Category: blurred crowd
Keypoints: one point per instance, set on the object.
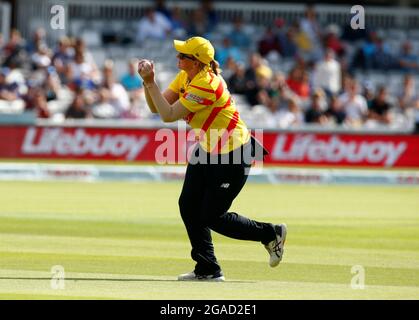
(320, 87)
(33, 75)
(321, 94)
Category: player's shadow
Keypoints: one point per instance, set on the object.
(113, 279)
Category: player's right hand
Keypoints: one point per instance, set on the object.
(141, 64)
(146, 70)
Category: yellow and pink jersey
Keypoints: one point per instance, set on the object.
(213, 116)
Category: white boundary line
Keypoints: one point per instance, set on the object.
(93, 173)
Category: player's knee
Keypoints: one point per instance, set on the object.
(210, 218)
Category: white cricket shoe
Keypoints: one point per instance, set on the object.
(191, 276)
(275, 248)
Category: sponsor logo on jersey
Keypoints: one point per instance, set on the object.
(194, 98)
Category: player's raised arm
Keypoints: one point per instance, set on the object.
(164, 104)
(150, 102)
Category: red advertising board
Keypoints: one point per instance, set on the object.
(331, 149)
(149, 145)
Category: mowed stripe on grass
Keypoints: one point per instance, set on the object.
(126, 240)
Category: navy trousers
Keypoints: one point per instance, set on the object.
(207, 194)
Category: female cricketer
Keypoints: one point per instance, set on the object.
(199, 95)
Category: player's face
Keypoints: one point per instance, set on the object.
(185, 62)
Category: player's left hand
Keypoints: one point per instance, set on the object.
(146, 70)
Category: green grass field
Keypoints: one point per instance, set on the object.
(127, 241)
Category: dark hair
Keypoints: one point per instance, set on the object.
(215, 66)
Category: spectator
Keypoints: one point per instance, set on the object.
(268, 43)
(347, 81)
(29, 96)
(264, 93)
(10, 101)
(280, 88)
(80, 47)
(41, 105)
(62, 57)
(368, 92)
(250, 79)
(335, 113)
(263, 77)
(77, 109)
(354, 104)
(36, 101)
(332, 41)
(291, 115)
(161, 7)
(207, 7)
(382, 58)
(179, 25)
(227, 51)
(41, 58)
(199, 25)
(315, 113)
(14, 51)
(286, 39)
(267, 110)
(131, 80)
(257, 68)
(238, 37)
(367, 52)
(298, 82)
(408, 98)
(301, 40)
(154, 25)
(8, 91)
(132, 83)
(263, 70)
(80, 72)
(271, 103)
(311, 28)
(112, 93)
(17, 76)
(327, 74)
(38, 40)
(279, 26)
(408, 61)
(238, 81)
(230, 68)
(380, 108)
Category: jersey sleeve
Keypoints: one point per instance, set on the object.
(175, 84)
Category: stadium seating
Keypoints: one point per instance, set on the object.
(116, 41)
